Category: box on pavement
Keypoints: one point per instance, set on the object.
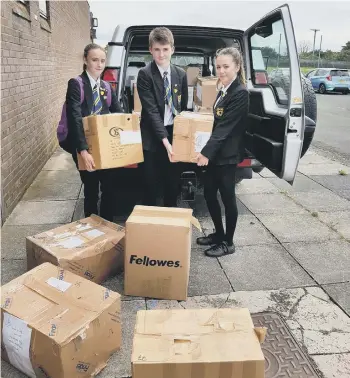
(191, 133)
(158, 251)
(92, 248)
(198, 343)
(57, 324)
(114, 140)
(206, 91)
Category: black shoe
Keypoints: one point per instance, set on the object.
(209, 240)
(220, 249)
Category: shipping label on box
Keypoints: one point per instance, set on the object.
(158, 249)
(92, 248)
(206, 91)
(114, 140)
(197, 343)
(57, 324)
(190, 97)
(191, 133)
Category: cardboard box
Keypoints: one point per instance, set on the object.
(198, 343)
(206, 91)
(203, 110)
(57, 324)
(114, 140)
(192, 74)
(158, 250)
(92, 248)
(191, 133)
(137, 101)
(190, 97)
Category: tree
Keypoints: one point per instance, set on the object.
(304, 47)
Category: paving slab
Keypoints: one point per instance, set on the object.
(119, 364)
(344, 194)
(266, 173)
(41, 212)
(255, 186)
(297, 227)
(13, 239)
(314, 159)
(54, 185)
(159, 304)
(249, 231)
(326, 262)
(200, 208)
(60, 161)
(79, 210)
(334, 183)
(337, 220)
(340, 293)
(301, 184)
(206, 275)
(322, 169)
(334, 365)
(270, 203)
(11, 269)
(321, 201)
(264, 267)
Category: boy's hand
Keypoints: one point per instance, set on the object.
(169, 149)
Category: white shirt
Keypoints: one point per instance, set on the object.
(93, 82)
(223, 93)
(168, 114)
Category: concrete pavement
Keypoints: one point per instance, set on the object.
(292, 258)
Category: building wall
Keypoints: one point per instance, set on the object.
(38, 56)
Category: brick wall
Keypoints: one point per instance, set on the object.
(38, 57)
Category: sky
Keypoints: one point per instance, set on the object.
(331, 17)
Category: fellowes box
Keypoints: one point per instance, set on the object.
(57, 324)
(158, 251)
(114, 140)
(197, 343)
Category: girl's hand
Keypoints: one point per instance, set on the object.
(88, 160)
(202, 160)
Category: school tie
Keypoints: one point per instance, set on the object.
(167, 94)
(97, 106)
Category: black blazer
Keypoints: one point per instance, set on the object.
(76, 111)
(150, 87)
(226, 145)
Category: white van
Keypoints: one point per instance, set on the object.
(281, 122)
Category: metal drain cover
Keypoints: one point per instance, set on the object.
(283, 356)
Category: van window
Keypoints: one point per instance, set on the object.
(270, 49)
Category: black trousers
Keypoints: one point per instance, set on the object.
(221, 178)
(160, 176)
(94, 181)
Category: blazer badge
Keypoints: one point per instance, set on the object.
(219, 112)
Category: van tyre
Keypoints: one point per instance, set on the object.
(310, 109)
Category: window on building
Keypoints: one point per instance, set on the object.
(44, 9)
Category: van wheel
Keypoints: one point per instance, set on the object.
(322, 89)
(345, 92)
(238, 180)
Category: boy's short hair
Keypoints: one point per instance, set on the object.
(161, 35)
